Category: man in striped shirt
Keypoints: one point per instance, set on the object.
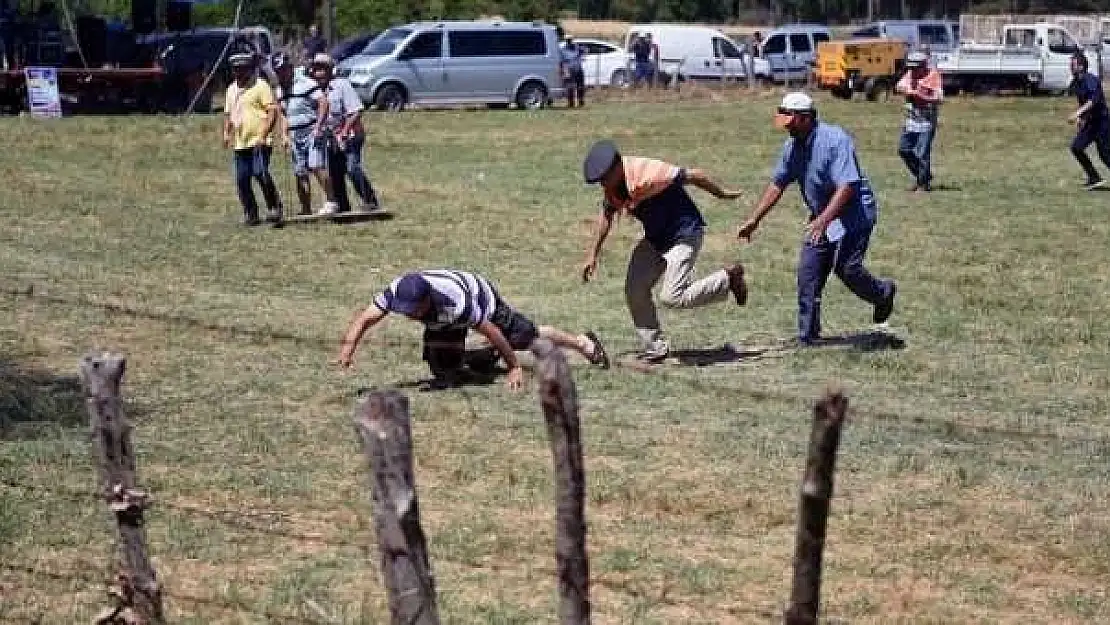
(450, 303)
(653, 192)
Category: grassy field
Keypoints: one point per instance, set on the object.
(974, 473)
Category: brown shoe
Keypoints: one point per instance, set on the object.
(736, 284)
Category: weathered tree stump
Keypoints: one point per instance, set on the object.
(137, 592)
(559, 399)
(383, 424)
(816, 493)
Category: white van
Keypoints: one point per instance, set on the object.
(936, 35)
(693, 52)
(791, 51)
(451, 63)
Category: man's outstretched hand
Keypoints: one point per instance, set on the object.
(747, 229)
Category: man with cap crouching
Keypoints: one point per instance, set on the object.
(822, 159)
(924, 92)
(653, 192)
(248, 128)
(450, 303)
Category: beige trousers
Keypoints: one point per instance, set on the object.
(676, 268)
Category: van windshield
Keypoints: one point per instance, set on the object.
(386, 42)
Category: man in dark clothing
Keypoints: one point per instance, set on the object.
(643, 51)
(314, 43)
(1092, 119)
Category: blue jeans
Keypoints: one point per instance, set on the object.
(347, 163)
(916, 149)
(845, 258)
(255, 163)
(1097, 133)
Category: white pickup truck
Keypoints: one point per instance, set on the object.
(1032, 58)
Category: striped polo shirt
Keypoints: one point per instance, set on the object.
(460, 299)
(301, 102)
(657, 197)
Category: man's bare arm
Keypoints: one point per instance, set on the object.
(701, 180)
(771, 196)
(362, 322)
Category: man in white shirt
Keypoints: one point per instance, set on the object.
(347, 136)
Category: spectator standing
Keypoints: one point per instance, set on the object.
(304, 114)
(314, 44)
(574, 78)
(251, 113)
(924, 93)
(347, 136)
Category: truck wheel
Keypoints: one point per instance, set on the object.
(876, 89)
(619, 79)
(390, 97)
(843, 92)
(531, 96)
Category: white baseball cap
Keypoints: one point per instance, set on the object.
(792, 103)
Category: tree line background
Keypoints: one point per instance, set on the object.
(353, 16)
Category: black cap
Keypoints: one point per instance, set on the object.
(601, 157)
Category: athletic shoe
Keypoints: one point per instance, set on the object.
(884, 309)
(599, 357)
(656, 353)
(736, 284)
(330, 208)
(1091, 185)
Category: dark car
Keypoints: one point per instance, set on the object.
(352, 45)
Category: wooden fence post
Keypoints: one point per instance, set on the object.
(137, 592)
(559, 400)
(816, 491)
(383, 424)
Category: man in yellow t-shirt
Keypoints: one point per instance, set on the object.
(251, 112)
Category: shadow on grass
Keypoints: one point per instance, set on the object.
(871, 341)
(352, 217)
(34, 400)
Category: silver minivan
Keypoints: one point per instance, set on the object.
(791, 51)
(453, 63)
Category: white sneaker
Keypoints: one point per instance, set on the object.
(330, 208)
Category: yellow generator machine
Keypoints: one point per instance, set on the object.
(868, 66)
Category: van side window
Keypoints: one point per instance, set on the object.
(427, 45)
(933, 35)
(775, 45)
(1060, 42)
(471, 43)
(1020, 37)
(799, 42)
(722, 48)
(819, 37)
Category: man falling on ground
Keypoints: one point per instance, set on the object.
(924, 93)
(654, 192)
(304, 111)
(450, 303)
(822, 159)
(248, 125)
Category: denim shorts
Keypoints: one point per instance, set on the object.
(309, 152)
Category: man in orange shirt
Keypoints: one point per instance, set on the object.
(653, 192)
(924, 92)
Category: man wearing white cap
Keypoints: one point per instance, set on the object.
(822, 159)
(924, 92)
(347, 136)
